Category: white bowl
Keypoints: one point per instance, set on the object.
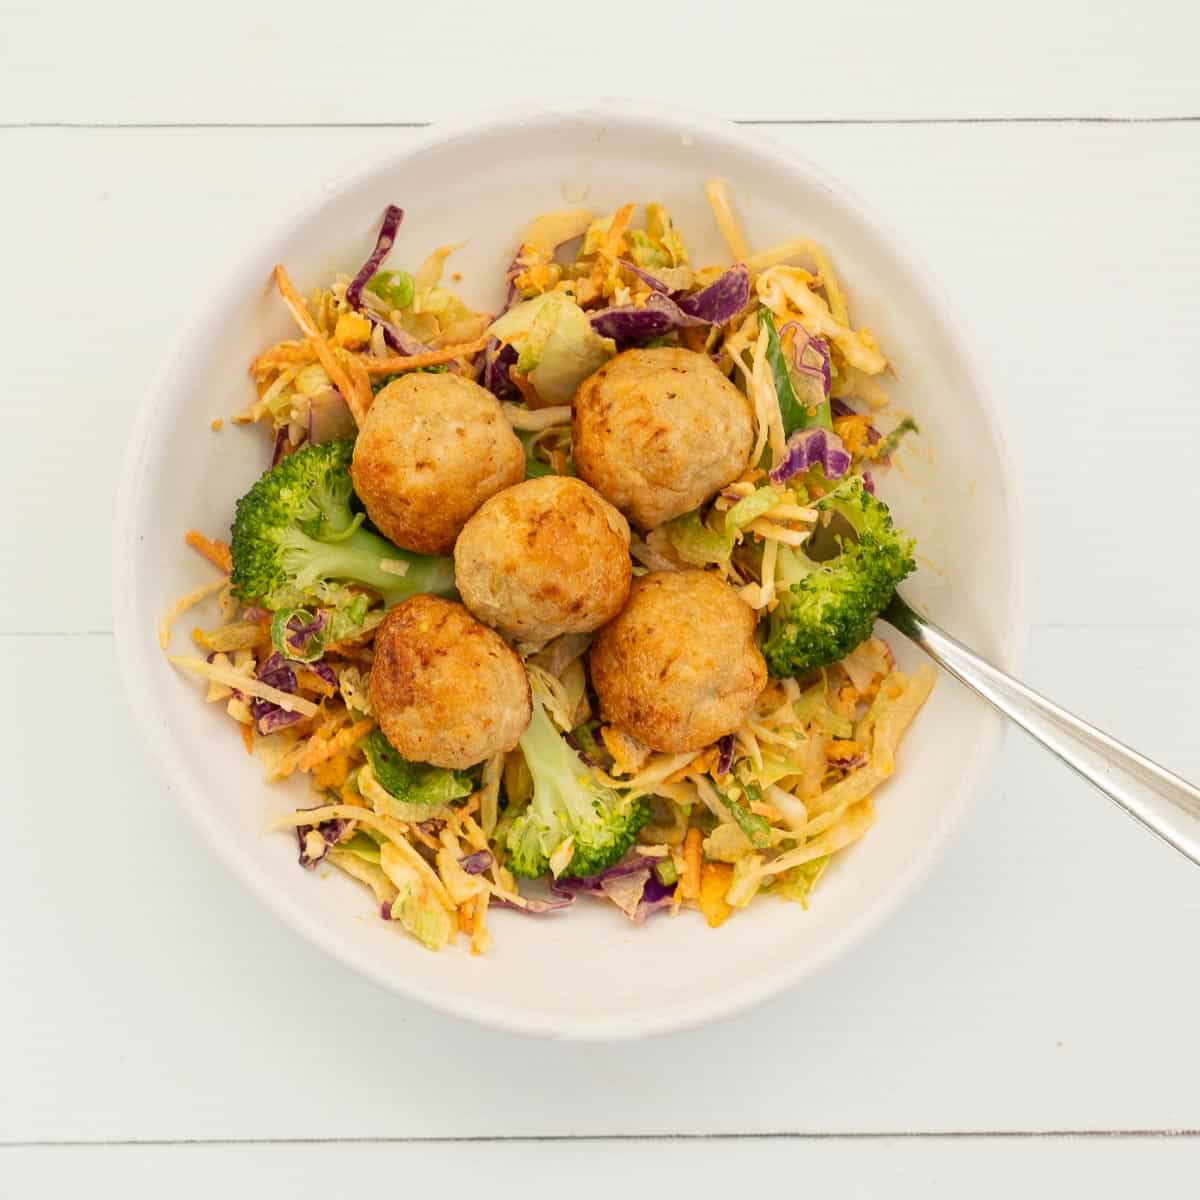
(483, 181)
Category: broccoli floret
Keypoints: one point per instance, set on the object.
(568, 802)
(828, 605)
(295, 536)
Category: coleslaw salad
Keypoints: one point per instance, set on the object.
(759, 813)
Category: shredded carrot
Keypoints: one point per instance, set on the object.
(396, 363)
(320, 347)
(361, 382)
(299, 354)
(614, 239)
(318, 750)
(466, 916)
(763, 809)
(216, 552)
(689, 880)
(613, 247)
(216, 424)
(714, 883)
(521, 382)
(313, 682)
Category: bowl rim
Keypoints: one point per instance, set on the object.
(134, 652)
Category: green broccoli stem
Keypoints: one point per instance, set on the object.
(555, 768)
(359, 559)
(792, 566)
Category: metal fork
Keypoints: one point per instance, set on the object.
(1163, 802)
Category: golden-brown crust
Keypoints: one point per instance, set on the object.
(545, 557)
(446, 689)
(657, 432)
(678, 668)
(432, 449)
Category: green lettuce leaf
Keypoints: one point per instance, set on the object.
(557, 348)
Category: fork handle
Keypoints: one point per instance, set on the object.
(1163, 802)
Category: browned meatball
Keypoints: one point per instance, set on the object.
(548, 556)
(659, 431)
(433, 448)
(678, 668)
(446, 689)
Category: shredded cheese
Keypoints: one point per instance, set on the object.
(319, 750)
(778, 255)
(182, 605)
(857, 820)
(719, 200)
(769, 531)
(788, 288)
(766, 405)
(244, 684)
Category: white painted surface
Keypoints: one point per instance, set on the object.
(1045, 978)
(1104, 1168)
(302, 61)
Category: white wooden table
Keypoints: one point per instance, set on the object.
(1029, 1018)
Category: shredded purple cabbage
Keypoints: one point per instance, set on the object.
(661, 314)
(331, 833)
(276, 672)
(809, 447)
(725, 754)
(627, 323)
(281, 442)
(270, 717)
(569, 885)
(655, 285)
(300, 636)
(392, 216)
(804, 341)
(868, 482)
(324, 670)
(477, 863)
(722, 300)
(432, 827)
(496, 361)
(398, 339)
(655, 894)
